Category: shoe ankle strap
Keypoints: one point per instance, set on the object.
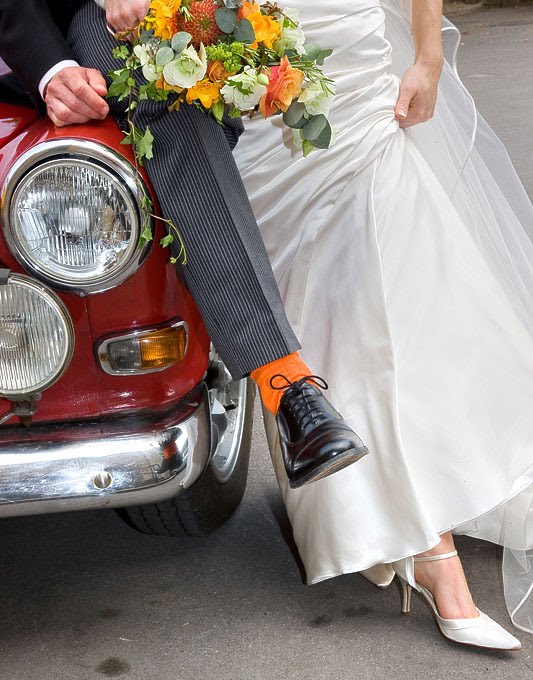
(434, 558)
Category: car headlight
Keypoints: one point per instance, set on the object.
(71, 215)
(36, 337)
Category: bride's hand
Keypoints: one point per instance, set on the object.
(124, 14)
(418, 93)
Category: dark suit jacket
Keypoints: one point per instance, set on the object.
(32, 38)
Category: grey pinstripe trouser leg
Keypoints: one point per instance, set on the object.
(199, 188)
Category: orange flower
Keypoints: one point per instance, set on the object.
(207, 92)
(267, 29)
(161, 84)
(163, 17)
(216, 72)
(247, 8)
(284, 85)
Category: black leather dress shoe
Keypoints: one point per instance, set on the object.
(315, 440)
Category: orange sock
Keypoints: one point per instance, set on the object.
(290, 366)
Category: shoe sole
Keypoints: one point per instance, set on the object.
(329, 467)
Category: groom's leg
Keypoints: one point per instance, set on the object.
(228, 271)
(199, 188)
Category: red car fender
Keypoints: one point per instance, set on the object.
(153, 296)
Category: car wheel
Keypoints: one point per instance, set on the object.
(215, 496)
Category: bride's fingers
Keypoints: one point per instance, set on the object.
(405, 99)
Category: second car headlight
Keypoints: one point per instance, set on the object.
(72, 215)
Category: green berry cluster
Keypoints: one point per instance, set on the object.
(230, 54)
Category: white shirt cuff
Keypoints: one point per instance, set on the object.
(53, 71)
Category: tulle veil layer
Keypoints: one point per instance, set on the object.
(475, 169)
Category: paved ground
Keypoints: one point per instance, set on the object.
(83, 597)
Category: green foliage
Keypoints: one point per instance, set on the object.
(121, 84)
(166, 240)
(307, 147)
(244, 32)
(314, 53)
(226, 19)
(180, 41)
(217, 109)
(164, 55)
(230, 54)
(122, 52)
(295, 116)
(150, 91)
(143, 145)
(317, 131)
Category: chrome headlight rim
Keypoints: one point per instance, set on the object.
(92, 154)
(59, 307)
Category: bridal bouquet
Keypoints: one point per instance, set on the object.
(227, 56)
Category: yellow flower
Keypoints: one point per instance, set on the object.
(207, 92)
(162, 18)
(267, 29)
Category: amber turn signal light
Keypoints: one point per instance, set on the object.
(144, 351)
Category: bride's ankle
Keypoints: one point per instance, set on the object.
(446, 581)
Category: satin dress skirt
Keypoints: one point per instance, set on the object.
(397, 308)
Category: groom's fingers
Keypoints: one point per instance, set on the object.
(74, 95)
(122, 15)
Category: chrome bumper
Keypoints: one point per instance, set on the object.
(126, 461)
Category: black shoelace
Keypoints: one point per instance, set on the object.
(316, 379)
(306, 410)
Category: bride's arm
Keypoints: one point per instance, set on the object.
(418, 89)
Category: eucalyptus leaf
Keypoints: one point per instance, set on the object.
(314, 127)
(312, 50)
(324, 138)
(324, 54)
(233, 4)
(244, 32)
(226, 19)
(164, 56)
(294, 116)
(180, 41)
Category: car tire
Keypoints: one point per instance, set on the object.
(217, 494)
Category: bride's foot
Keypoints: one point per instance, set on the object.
(438, 577)
(446, 581)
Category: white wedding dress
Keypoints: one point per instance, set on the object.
(406, 271)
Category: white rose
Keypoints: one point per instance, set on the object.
(187, 69)
(292, 37)
(315, 100)
(247, 81)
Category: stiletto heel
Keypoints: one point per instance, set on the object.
(406, 597)
(480, 631)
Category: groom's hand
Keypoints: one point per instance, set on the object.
(76, 95)
(124, 14)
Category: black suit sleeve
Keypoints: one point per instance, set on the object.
(32, 39)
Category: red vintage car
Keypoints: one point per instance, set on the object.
(110, 393)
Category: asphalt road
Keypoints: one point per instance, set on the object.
(84, 597)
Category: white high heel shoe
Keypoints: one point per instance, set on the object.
(480, 631)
